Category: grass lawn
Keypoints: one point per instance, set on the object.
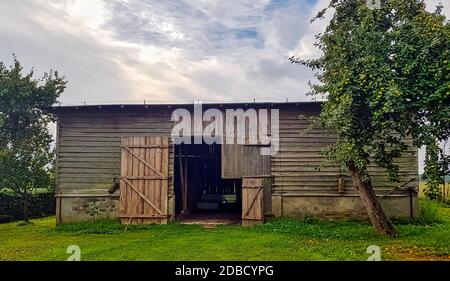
(279, 239)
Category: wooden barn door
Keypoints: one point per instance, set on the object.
(253, 200)
(144, 180)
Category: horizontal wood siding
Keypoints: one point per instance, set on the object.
(89, 152)
(296, 168)
(89, 146)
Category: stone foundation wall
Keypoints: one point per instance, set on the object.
(71, 208)
(341, 207)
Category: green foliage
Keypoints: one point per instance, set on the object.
(25, 155)
(41, 204)
(429, 212)
(385, 74)
(423, 177)
(94, 209)
(436, 164)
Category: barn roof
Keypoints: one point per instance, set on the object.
(71, 107)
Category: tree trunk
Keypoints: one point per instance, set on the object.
(26, 218)
(376, 214)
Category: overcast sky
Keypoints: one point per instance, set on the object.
(164, 50)
(130, 51)
(125, 50)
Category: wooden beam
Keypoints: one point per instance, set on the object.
(141, 216)
(341, 186)
(141, 195)
(144, 162)
(144, 146)
(253, 202)
(145, 178)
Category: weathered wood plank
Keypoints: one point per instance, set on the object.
(252, 200)
(144, 180)
(89, 150)
(244, 160)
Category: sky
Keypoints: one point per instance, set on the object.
(117, 51)
(123, 51)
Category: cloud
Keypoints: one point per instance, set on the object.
(130, 50)
(118, 51)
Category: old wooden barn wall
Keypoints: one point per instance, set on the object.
(301, 186)
(88, 158)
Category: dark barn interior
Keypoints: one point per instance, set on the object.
(201, 194)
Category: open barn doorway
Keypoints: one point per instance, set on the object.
(201, 194)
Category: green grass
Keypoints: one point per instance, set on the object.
(279, 239)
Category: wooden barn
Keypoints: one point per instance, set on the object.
(121, 161)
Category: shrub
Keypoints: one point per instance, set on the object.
(428, 212)
(41, 204)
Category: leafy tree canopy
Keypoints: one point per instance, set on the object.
(385, 74)
(25, 154)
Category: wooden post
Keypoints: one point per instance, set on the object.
(341, 185)
(185, 186)
(182, 181)
(58, 209)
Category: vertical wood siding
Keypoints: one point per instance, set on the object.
(244, 160)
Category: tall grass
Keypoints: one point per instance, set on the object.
(428, 212)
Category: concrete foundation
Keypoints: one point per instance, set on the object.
(72, 208)
(76, 208)
(341, 207)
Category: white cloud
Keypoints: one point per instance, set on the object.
(431, 6)
(129, 50)
(132, 50)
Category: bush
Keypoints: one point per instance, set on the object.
(428, 212)
(41, 204)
